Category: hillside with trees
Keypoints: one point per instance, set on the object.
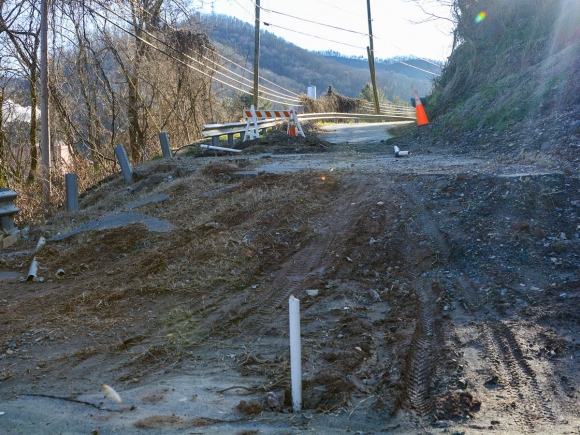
(296, 68)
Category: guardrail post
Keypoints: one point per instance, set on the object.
(263, 132)
(124, 163)
(215, 140)
(72, 192)
(165, 148)
(231, 140)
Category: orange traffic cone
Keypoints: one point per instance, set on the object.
(421, 115)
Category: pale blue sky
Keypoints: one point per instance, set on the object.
(396, 33)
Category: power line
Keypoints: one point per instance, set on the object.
(341, 9)
(303, 33)
(251, 14)
(176, 59)
(335, 27)
(293, 96)
(420, 69)
(314, 22)
(428, 61)
(313, 36)
(273, 93)
(241, 67)
(291, 93)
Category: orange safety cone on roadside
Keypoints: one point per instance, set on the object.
(421, 115)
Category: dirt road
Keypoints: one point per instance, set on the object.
(357, 133)
(439, 294)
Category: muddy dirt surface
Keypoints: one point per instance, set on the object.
(439, 294)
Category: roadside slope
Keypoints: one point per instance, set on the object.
(435, 291)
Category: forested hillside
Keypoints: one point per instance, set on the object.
(296, 68)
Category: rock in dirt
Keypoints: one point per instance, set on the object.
(374, 295)
(520, 226)
(253, 407)
(275, 400)
(454, 404)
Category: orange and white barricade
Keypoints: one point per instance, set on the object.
(252, 115)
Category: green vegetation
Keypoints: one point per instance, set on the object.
(518, 62)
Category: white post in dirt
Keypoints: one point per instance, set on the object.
(295, 353)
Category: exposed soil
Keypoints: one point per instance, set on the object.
(439, 294)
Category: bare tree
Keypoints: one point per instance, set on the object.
(20, 24)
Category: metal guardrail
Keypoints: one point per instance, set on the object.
(359, 116)
(387, 109)
(210, 130)
(7, 210)
(397, 114)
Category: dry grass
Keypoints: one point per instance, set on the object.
(150, 297)
(330, 102)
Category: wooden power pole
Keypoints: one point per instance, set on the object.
(371, 53)
(257, 55)
(44, 116)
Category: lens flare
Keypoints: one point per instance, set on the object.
(480, 17)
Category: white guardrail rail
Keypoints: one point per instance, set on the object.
(397, 113)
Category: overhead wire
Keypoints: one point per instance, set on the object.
(314, 22)
(420, 69)
(337, 28)
(129, 32)
(292, 93)
(292, 96)
(341, 9)
(303, 33)
(248, 12)
(273, 93)
(313, 36)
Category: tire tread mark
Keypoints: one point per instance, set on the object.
(518, 377)
(420, 362)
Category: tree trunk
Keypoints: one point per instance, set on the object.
(33, 123)
(3, 180)
(136, 135)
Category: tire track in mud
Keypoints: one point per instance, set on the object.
(519, 379)
(420, 363)
(515, 374)
(427, 339)
(291, 279)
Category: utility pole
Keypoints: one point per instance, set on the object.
(44, 116)
(371, 52)
(257, 55)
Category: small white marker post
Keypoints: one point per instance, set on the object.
(295, 353)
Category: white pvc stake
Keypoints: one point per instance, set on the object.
(295, 353)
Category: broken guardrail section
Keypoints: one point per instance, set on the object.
(9, 233)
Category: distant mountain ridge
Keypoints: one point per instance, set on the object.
(407, 66)
(296, 68)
